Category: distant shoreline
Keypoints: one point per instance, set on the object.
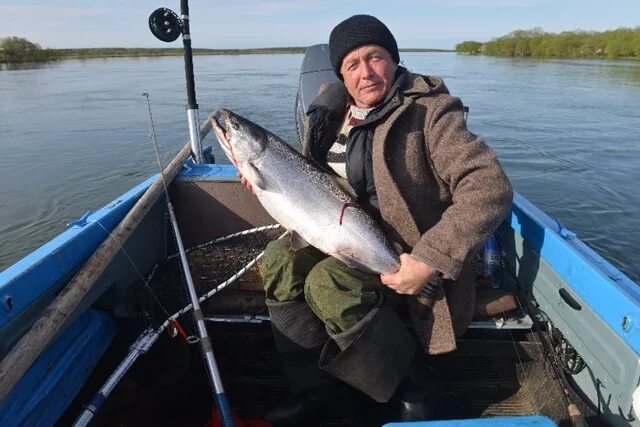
(86, 53)
(109, 52)
(98, 53)
(36, 54)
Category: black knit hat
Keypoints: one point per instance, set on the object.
(359, 30)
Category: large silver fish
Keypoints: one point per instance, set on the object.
(302, 198)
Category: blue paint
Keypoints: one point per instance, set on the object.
(25, 281)
(208, 171)
(207, 156)
(565, 232)
(82, 221)
(610, 293)
(524, 421)
(53, 381)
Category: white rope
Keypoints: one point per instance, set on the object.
(230, 236)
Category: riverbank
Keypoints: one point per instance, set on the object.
(109, 52)
(133, 52)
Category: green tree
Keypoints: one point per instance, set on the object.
(469, 46)
(17, 49)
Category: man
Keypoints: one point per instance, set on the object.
(400, 141)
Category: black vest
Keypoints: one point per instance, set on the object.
(326, 114)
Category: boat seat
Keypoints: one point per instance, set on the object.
(246, 298)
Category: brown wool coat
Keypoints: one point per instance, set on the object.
(442, 192)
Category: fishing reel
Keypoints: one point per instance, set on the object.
(165, 24)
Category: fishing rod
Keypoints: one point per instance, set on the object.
(203, 336)
(167, 26)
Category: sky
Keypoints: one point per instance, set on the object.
(271, 23)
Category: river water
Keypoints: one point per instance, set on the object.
(74, 134)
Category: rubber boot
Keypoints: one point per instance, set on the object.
(373, 356)
(416, 395)
(299, 336)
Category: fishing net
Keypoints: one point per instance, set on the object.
(211, 265)
(241, 337)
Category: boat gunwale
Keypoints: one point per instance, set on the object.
(26, 280)
(612, 295)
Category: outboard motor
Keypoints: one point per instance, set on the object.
(316, 69)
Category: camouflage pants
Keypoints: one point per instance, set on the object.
(338, 295)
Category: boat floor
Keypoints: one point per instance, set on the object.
(493, 373)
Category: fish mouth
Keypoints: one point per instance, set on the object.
(220, 129)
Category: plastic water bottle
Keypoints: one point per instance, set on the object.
(491, 263)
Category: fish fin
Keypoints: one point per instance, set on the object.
(253, 175)
(351, 264)
(349, 260)
(297, 242)
(356, 265)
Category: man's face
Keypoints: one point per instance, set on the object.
(368, 73)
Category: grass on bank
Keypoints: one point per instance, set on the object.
(114, 52)
(17, 50)
(132, 52)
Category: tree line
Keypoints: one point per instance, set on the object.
(619, 43)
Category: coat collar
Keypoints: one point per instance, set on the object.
(335, 98)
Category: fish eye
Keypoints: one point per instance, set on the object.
(235, 126)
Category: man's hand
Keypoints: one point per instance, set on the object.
(411, 276)
(245, 182)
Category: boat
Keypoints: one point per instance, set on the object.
(127, 353)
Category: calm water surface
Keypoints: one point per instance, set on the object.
(74, 134)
